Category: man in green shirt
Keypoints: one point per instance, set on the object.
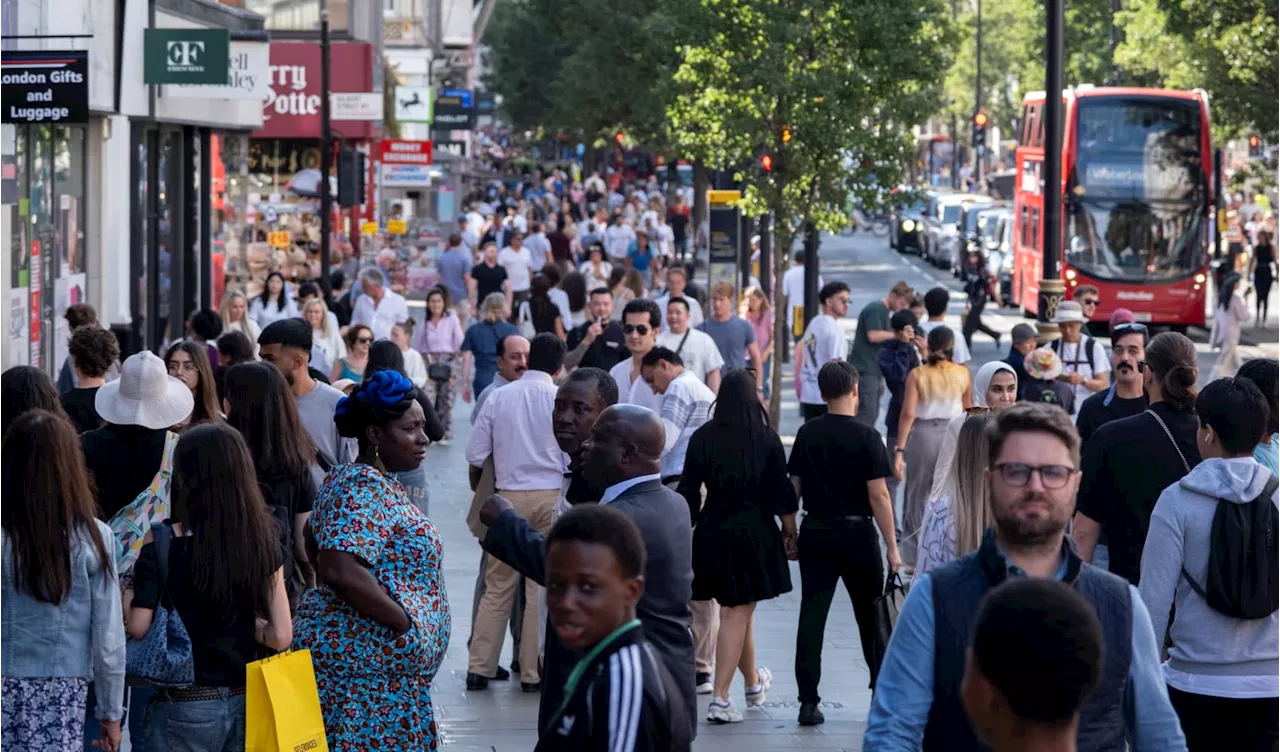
(873, 331)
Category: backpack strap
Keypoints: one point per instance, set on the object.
(1267, 491)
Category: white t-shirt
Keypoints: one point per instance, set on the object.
(959, 351)
(634, 392)
(617, 240)
(666, 240)
(700, 354)
(518, 265)
(793, 286)
(1076, 360)
(824, 341)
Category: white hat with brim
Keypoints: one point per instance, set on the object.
(1069, 312)
(144, 395)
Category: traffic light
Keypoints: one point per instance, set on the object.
(619, 137)
(1255, 146)
(766, 163)
(350, 178)
(786, 134)
(980, 120)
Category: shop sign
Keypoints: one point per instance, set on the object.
(455, 110)
(368, 228)
(45, 85)
(291, 107)
(279, 239)
(396, 227)
(405, 163)
(246, 76)
(34, 310)
(486, 103)
(413, 104)
(355, 106)
(186, 56)
(456, 148)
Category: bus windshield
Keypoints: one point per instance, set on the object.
(1136, 199)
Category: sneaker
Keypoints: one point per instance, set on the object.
(703, 682)
(810, 715)
(759, 693)
(720, 711)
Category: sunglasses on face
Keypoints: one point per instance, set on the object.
(364, 341)
(641, 329)
(1018, 474)
(1089, 302)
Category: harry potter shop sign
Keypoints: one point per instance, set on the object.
(186, 56)
(45, 86)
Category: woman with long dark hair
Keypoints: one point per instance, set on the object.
(1262, 271)
(440, 342)
(189, 363)
(24, 388)
(1228, 317)
(262, 408)
(385, 355)
(61, 602)
(378, 625)
(539, 310)
(574, 285)
(739, 554)
(225, 579)
(275, 302)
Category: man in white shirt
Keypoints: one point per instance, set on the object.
(823, 342)
(793, 287)
(640, 319)
(378, 308)
(618, 239)
(677, 280)
(1085, 365)
(518, 262)
(515, 427)
(697, 350)
(538, 246)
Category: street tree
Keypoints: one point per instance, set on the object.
(826, 89)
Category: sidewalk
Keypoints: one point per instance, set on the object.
(503, 719)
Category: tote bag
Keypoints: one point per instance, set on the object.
(885, 616)
(282, 705)
(149, 508)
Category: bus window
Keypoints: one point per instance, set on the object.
(1023, 127)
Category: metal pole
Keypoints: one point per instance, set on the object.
(1051, 286)
(955, 144)
(977, 100)
(811, 273)
(766, 256)
(326, 142)
(1217, 202)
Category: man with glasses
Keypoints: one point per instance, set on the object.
(823, 342)
(1087, 297)
(640, 321)
(1033, 477)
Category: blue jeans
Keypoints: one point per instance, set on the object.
(196, 726)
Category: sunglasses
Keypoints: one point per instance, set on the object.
(641, 329)
(1089, 301)
(364, 341)
(1124, 329)
(1018, 474)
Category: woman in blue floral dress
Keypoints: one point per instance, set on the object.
(378, 624)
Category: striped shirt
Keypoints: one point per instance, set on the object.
(686, 405)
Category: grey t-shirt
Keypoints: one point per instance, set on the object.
(315, 410)
(732, 337)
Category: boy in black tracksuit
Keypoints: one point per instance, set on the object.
(619, 697)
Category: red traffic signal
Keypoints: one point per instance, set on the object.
(619, 137)
(1254, 141)
(980, 119)
(766, 163)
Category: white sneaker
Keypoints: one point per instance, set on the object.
(720, 711)
(759, 693)
(702, 683)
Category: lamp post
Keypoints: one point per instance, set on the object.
(979, 149)
(1052, 289)
(326, 143)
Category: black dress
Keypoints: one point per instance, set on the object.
(1266, 256)
(738, 556)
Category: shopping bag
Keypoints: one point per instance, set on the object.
(149, 508)
(282, 706)
(886, 609)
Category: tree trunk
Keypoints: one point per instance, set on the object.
(784, 238)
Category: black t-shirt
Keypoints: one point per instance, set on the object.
(79, 406)
(1125, 467)
(835, 456)
(1095, 412)
(221, 643)
(608, 350)
(488, 279)
(123, 461)
(679, 222)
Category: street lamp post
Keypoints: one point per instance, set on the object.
(1052, 289)
(326, 142)
(979, 149)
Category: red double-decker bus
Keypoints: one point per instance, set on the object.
(1137, 170)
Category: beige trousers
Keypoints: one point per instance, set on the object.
(706, 627)
(500, 592)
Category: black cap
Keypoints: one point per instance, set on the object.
(289, 333)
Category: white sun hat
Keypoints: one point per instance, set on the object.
(144, 395)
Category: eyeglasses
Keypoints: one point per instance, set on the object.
(181, 366)
(1089, 302)
(1018, 474)
(641, 329)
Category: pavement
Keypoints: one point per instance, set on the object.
(503, 718)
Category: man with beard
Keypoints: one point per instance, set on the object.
(1033, 477)
(621, 464)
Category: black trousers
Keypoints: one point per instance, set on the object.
(973, 323)
(1221, 723)
(832, 550)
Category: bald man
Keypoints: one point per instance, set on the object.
(621, 465)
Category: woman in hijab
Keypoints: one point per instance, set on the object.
(994, 388)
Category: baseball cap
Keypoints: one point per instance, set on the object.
(1024, 332)
(1121, 316)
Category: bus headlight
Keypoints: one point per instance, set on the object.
(1199, 279)
(908, 225)
(1071, 274)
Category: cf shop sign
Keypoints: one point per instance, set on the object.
(186, 56)
(291, 105)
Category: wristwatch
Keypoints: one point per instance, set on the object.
(898, 449)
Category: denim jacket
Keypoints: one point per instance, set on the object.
(81, 637)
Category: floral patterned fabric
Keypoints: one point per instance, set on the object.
(937, 537)
(43, 714)
(374, 685)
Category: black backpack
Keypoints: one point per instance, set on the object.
(1242, 581)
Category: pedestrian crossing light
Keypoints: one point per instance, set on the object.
(766, 163)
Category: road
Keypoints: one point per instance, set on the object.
(503, 718)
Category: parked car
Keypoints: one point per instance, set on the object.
(942, 227)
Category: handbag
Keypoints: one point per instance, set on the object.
(148, 509)
(282, 705)
(885, 616)
(440, 371)
(162, 658)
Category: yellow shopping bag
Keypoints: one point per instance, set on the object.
(282, 706)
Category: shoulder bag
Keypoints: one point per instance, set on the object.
(163, 658)
(150, 508)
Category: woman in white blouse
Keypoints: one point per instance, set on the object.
(274, 303)
(324, 330)
(596, 269)
(235, 317)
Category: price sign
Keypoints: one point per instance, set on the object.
(396, 227)
(279, 239)
(369, 228)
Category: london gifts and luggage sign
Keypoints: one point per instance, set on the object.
(45, 86)
(186, 56)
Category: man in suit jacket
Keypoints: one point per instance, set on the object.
(622, 462)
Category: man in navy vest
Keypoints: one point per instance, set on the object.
(1033, 476)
